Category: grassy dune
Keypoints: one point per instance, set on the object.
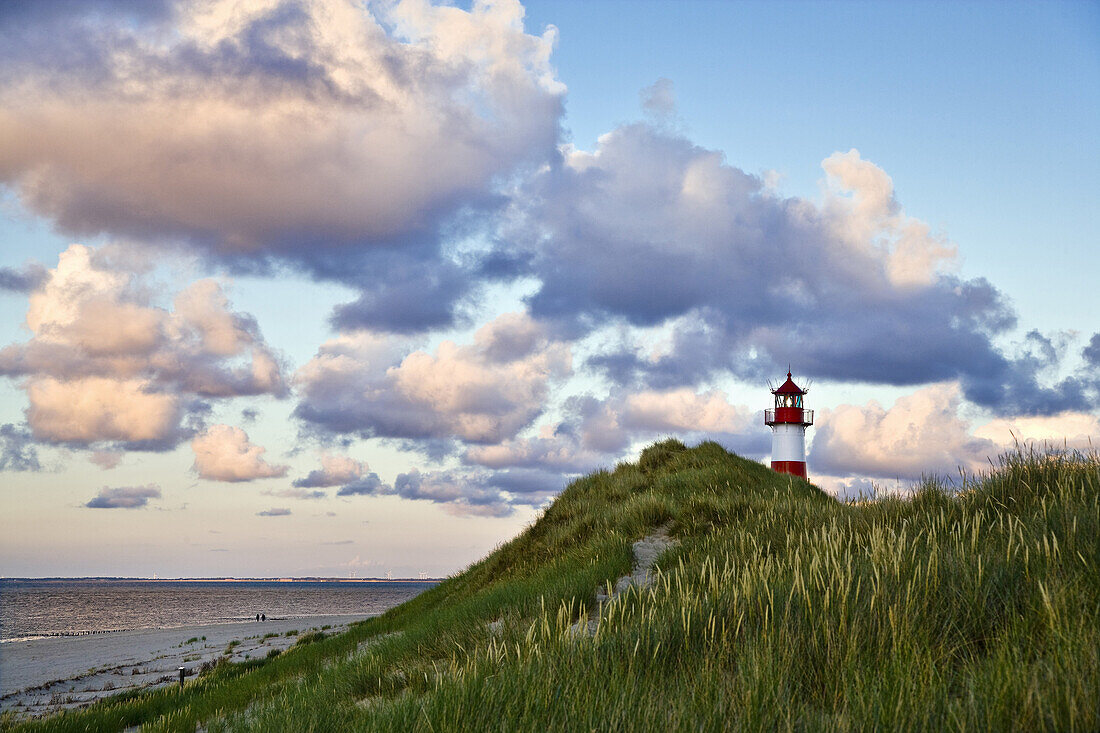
(975, 608)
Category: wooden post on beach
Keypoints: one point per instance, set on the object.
(182, 670)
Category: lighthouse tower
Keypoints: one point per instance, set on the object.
(788, 421)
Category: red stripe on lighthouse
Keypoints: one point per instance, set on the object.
(795, 468)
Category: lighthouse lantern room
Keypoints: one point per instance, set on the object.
(788, 421)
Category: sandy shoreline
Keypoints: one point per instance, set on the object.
(45, 675)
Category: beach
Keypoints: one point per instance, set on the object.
(40, 676)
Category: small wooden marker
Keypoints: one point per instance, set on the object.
(182, 670)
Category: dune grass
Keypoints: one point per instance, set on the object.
(974, 607)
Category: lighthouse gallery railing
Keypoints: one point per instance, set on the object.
(789, 415)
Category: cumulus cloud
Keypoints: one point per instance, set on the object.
(105, 364)
(652, 231)
(17, 451)
(124, 498)
(224, 453)
(334, 471)
(483, 392)
(274, 512)
(399, 115)
(921, 434)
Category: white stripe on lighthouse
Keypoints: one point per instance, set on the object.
(788, 442)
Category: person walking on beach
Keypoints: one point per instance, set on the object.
(257, 617)
(263, 617)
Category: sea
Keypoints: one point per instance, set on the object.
(33, 609)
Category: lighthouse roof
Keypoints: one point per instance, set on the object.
(789, 387)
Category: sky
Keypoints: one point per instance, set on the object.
(331, 288)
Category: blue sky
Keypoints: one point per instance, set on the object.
(983, 113)
(409, 324)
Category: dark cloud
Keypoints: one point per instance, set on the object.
(1015, 386)
(462, 492)
(315, 478)
(402, 293)
(367, 485)
(1091, 353)
(274, 512)
(651, 230)
(465, 491)
(125, 497)
(23, 279)
(17, 450)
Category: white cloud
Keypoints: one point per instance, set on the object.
(224, 453)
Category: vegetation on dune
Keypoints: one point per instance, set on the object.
(976, 607)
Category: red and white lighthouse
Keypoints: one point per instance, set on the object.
(788, 421)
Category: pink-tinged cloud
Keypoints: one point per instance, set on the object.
(224, 453)
(1068, 430)
(482, 392)
(335, 470)
(105, 363)
(95, 409)
(921, 434)
(393, 113)
(684, 410)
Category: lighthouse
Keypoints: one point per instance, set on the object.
(788, 421)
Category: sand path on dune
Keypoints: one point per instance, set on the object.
(646, 552)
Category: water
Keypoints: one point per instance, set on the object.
(36, 608)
